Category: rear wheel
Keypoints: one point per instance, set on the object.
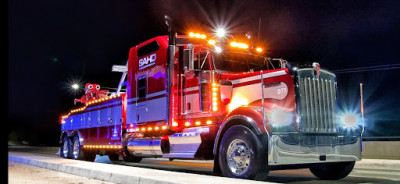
(113, 156)
(79, 154)
(130, 158)
(332, 171)
(241, 154)
(65, 149)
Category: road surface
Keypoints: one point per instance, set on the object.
(362, 173)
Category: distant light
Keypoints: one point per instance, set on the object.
(75, 86)
(259, 49)
(220, 32)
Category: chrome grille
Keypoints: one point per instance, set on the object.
(317, 101)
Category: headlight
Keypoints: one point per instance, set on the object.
(350, 121)
(279, 118)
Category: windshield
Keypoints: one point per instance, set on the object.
(239, 62)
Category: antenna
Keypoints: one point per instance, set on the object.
(258, 34)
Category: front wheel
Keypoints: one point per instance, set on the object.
(242, 155)
(332, 171)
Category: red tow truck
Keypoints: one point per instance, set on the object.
(195, 97)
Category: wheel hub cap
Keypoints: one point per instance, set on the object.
(238, 157)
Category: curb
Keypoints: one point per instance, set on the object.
(120, 174)
(378, 164)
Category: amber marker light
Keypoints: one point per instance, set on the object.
(197, 35)
(209, 122)
(259, 49)
(187, 123)
(239, 45)
(211, 42)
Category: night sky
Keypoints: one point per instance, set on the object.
(54, 43)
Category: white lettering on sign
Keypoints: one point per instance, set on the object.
(277, 90)
(147, 61)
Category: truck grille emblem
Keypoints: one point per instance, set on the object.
(317, 69)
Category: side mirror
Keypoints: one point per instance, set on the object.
(226, 91)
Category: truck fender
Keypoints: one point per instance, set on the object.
(71, 134)
(246, 116)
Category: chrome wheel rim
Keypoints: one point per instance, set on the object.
(65, 149)
(76, 149)
(238, 157)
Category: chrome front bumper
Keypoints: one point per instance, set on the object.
(306, 149)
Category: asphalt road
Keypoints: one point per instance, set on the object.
(360, 174)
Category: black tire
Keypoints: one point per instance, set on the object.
(250, 161)
(65, 148)
(113, 156)
(80, 154)
(130, 158)
(332, 171)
